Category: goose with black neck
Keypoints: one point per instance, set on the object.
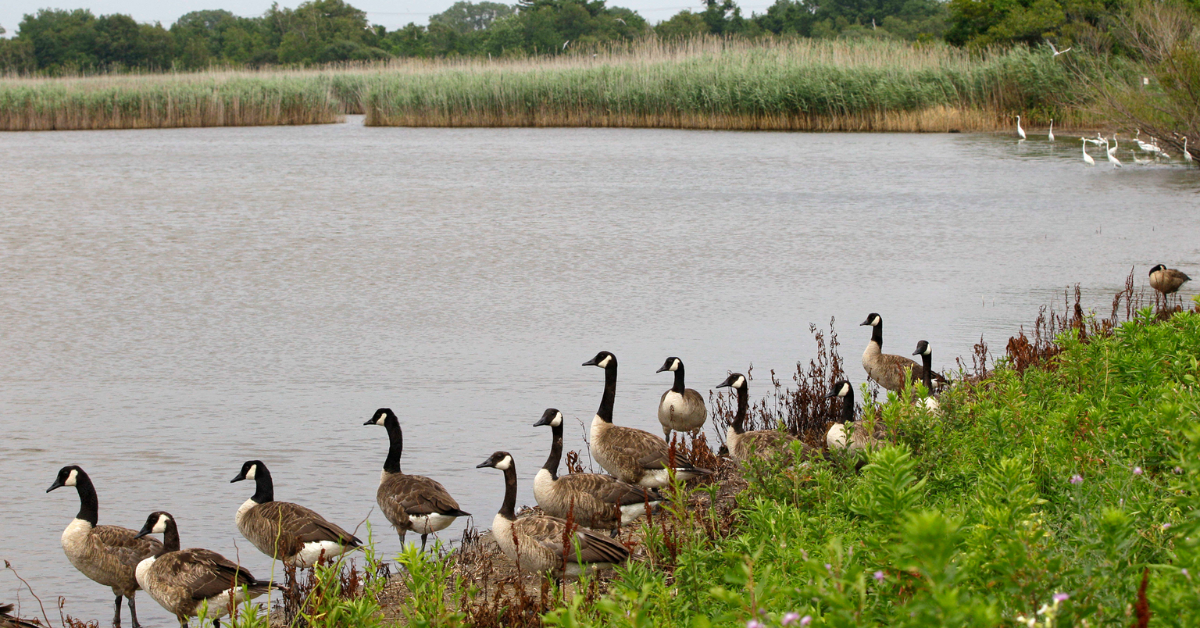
(758, 443)
(680, 408)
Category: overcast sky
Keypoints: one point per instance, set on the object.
(390, 13)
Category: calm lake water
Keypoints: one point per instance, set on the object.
(173, 303)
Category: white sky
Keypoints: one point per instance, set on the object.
(390, 13)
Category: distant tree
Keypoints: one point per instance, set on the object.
(320, 31)
(681, 25)
(985, 22)
(465, 17)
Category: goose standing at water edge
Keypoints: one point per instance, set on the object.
(107, 554)
(186, 582)
(835, 438)
(593, 500)
(633, 455)
(742, 444)
(290, 532)
(538, 542)
(410, 502)
(680, 408)
(1167, 280)
(892, 372)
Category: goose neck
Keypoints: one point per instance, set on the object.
(89, 504)
(877, 334)
(610, 394)
(508, 508)
(555, 456)
(678, 387)
(170, 537)
(743, 405)
(391, 464)
(264, 489)
(848, 407)
(927, 372)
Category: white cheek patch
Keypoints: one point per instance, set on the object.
(844, 391)
(506, 464)
(875, 321)
(250, 473)
(675, 365)
(381, 419)
(604, 363)
(927, 351)
(557, 420)
(741, 381)
(71, 478)
(161, 525)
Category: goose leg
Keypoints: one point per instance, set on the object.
(117, 613)
(424, 537)
(133, 612)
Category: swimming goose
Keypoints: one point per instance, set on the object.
(186, 582)
(926, 352)
(107, 554)
(759, 443)
(593, 500)
(290, 532)
(633, 455)
(680, 409)
(1167, 280)
(410, 502)
(892, 372)
(536, 543)
(835, 438)
(8, 620)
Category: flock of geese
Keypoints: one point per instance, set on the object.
(1151, 148)
(565, 537)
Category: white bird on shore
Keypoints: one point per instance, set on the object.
(1020, 131)
(1051, 136)
(1112, 159)
(1186, 155)
(1113, 151)
(1056, 51)
(1087, 159)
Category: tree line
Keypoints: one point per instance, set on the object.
(321, 31)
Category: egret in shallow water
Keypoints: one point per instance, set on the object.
(1186, 154)
(1087, 159)
(1112, 159)
(1051, 137)
(1020, 131)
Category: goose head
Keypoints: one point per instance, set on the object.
(873, 320)
(500, 460)
(67, 476)
(736, 381)
(156, 523)
(672, 364)
(551, 417)
(1157, 268)
(382, 416)
(249, 470)
(604, 359)
(840, 389)
(923, 349)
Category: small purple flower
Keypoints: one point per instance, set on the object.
(1178, 470)
(806, 620)
(878, 576)
(1076, 479)
(790, 618)
(1165, 526)
(754, 623)
(829, 568)
(1061, 597)
(1184, 571)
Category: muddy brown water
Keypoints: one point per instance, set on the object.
(175, 302)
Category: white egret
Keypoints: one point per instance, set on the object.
(1087, 159)
(1051, 137)
(1020, 131)
(1056, 51)
(1112, 159)
(1186, 154)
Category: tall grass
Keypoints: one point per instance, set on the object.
(719, 84)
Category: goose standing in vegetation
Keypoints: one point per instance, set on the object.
(633, 455)
(1020, 131)
(410, 502)
(8, 620)
(593, 500)
(835, 438)
(1167, 280)
(186, 582)
(680, 408)
(759, 443)
(290, 532)
(926, 352)
(540, 543)
(892, 372)
(1087, 159)
(107, 554)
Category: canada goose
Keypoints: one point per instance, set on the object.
(892, 372)
(926, 352)
(835, 438)
(593, 500)
(742, 444)
(536, 543)
(1167, 280)
(410, 502)
(634, 456)
(186, 582)
(107, 554)
(680, 409)
(290, 532)
(8, 620)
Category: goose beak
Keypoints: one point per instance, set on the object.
(239, 478)
(542, 421)
(485, 463)
(57, 484)
(591, 362)
(917, 352)
(831, 395)
(866, 322)
(146, 529)
(370, 422)
(661, 369)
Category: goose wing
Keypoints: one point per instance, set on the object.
(650, 451)
(418, 495)
(120, 542)
(7, 620)
(593, 548)
(203, 573)
(305, 525)
(609, 489)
